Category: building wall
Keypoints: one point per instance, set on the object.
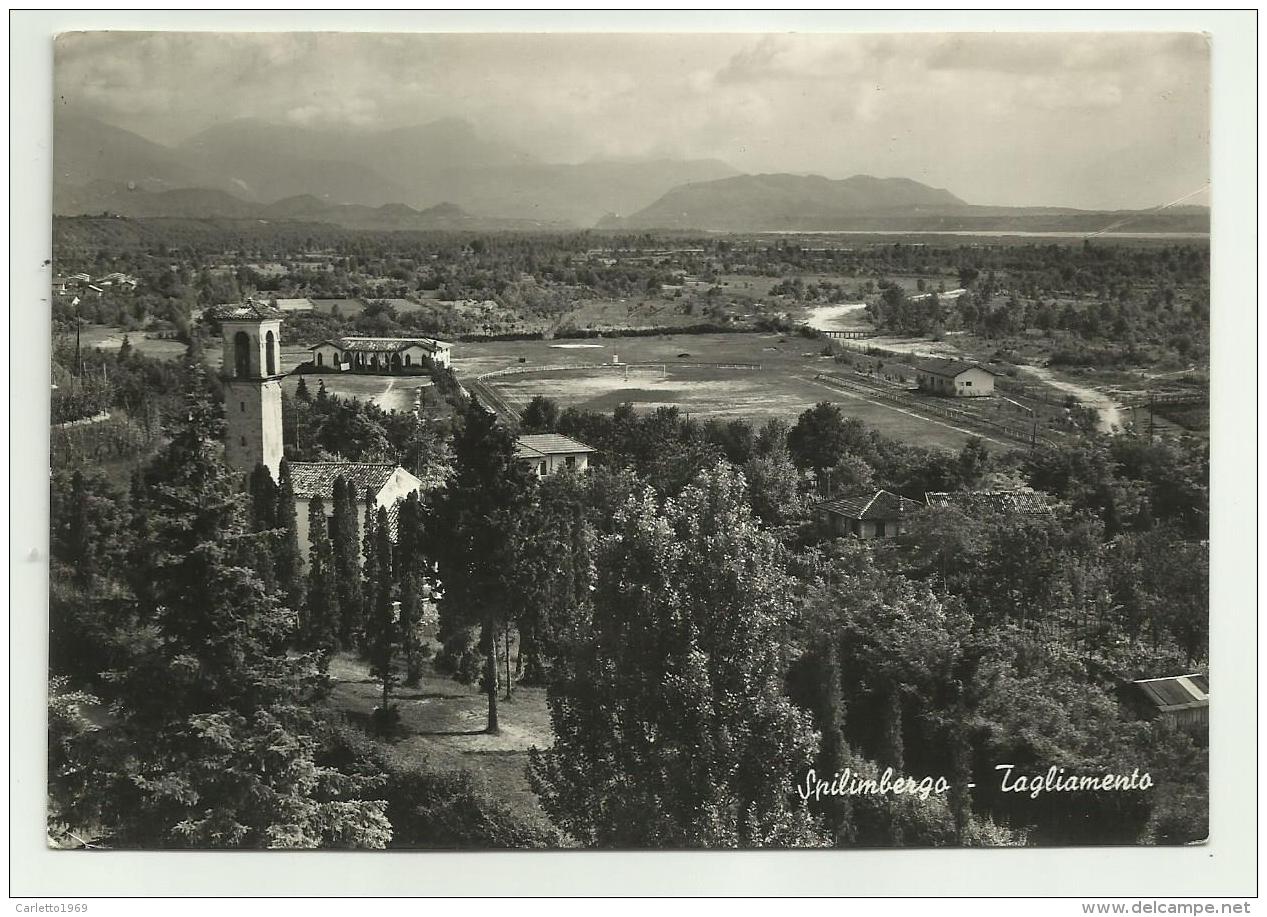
(971, 383)
(549, 464)
(974, 383)
(329, 354)
(398, 486)
(253, 424)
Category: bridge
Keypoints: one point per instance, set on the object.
(848, 335)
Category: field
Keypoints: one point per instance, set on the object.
(784, 386)
(442, 723)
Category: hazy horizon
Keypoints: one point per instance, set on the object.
(1087, 120)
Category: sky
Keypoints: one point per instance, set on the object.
(1092, 120)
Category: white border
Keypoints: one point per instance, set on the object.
(1223, 867)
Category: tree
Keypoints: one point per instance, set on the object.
(470, 533)
(819, 437)
(671, 726)
(381, 623)
(345, 545)
(541, 415)
(321, 629)
(210, 742)
(289, 560)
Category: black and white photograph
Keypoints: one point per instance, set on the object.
(630, 441)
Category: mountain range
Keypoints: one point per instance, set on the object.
(96, 165)
(444, 175)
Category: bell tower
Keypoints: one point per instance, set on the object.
(250, 368)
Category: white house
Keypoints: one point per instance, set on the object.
(380, 355)
(546, 453)
(388, 483)
(955, 378)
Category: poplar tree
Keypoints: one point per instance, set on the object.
(671, 726)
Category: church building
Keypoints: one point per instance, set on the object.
(252, 377)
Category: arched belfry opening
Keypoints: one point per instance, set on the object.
(270, 353)
(242, 355)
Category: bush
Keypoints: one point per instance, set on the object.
(432, 809)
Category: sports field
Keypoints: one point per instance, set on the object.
(783, 386)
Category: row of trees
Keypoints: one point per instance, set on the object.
(701, 644)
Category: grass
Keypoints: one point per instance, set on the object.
(783, 387)
(392, 393)
(442, 724)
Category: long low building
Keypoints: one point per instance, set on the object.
(380, 355)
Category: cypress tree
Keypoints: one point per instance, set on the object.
(289, 558)
(381, 624)
(321, 627)
(347, 563)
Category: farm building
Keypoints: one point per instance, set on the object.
(1182, 699)
(546, 453)
(956, 378)
(974, 502)
(870, 515)
(379, 355)
(388, 483)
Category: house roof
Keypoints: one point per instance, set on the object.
(302, 304)
(941, 366)
(382, 345)
(879, 505)
(535, 445)
(250, 311)
(1028, 502)
(1176, 692)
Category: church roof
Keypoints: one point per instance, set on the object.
(250, 311)
(316, 479)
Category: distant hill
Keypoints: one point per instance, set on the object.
(419, 166)
(198, 203)
(811, 203)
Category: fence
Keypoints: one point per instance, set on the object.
(903, 398)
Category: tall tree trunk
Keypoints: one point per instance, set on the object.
(492, 728)
(510, 682)
(892, 752)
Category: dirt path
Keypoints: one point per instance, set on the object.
(1109, 410)
(842, 317)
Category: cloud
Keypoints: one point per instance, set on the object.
(996, 118)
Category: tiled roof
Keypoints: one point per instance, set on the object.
(879, 505)
(537, 444)
(316, 479)
(1029, 502)
(251, 310)
(382, 345)
(1178, 692)
(945, 367)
